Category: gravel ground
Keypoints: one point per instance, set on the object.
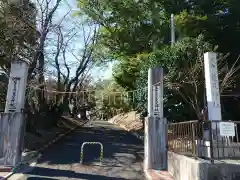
(123, 156)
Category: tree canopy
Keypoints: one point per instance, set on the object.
(136, 34)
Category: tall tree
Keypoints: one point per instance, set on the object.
(18, 31)
(128, 27)
(136, 34)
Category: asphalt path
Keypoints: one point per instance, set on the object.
(123, 156)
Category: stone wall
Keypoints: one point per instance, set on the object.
(12, 128)
(130, 121)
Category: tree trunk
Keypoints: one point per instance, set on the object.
(41, 97)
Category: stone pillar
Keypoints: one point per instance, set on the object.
(155, 139)
(17, 86)
(213, 100)
(212, 86)
(15, 101)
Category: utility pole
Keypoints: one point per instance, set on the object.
(172, 30)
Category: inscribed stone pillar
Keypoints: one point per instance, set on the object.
(17, 86)
(155, 147)
(212, 86)
(213, 103)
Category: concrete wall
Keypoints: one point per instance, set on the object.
(186, 168)
(12, 128)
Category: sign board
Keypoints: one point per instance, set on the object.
(157, 101)
(227, 129)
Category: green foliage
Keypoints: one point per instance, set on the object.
(128, 27)
(188, 24)
(137, 35)
(126, 73)
(185, 78)
(184, 81)
(110, 99)
(17, 32)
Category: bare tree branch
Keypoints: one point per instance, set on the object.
(46, 18)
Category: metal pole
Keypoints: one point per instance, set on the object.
(172, 30)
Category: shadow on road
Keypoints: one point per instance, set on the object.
(40, 178)
(66, 173)
(114, 141)
(122, 156)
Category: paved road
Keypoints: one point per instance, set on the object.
(123, 155)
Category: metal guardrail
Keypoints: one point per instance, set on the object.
(197, 138)
(91, 143)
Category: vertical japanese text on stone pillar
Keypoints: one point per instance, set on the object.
(157, 92)
(216, 106)
(14, 94)
(156, 100)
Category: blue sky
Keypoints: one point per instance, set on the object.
(77, 43)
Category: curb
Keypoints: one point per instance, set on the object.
(147, 175)
(160, 175)
(37, 155)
